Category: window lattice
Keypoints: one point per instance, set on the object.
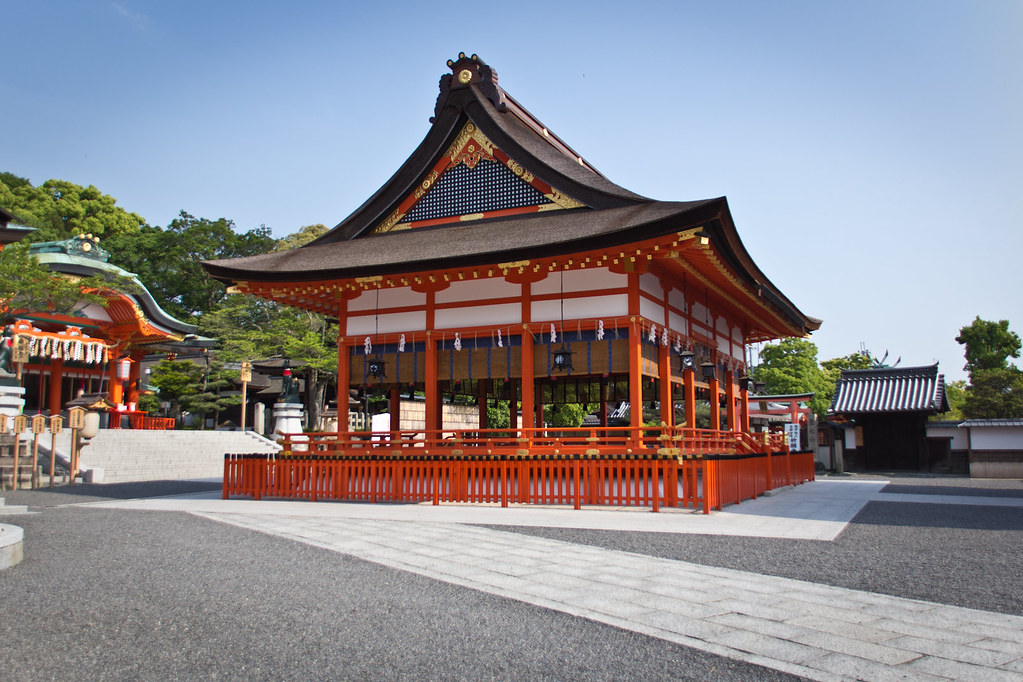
(461, 190)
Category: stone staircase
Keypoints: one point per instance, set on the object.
(6, 509)
(127, 455)
(123, 455)
(7, 444)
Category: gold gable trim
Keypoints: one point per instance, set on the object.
(469, 147)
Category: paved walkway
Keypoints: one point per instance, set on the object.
(805, 628)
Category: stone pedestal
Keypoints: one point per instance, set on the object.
(12, 400)
(259, 418)
(288, 419)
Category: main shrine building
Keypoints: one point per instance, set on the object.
(497, 262)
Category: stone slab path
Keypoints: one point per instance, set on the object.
(799, 627)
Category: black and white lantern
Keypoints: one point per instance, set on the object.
(377, 368)
(686, 360)
(562, 360)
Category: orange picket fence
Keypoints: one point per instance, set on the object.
(649, 467)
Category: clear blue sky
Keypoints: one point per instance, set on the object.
(871, 151)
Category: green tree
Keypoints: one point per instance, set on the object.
(790, 366)
(303, 236)
(955, 392)
(25, 284)
(989, 345)
(60, 209)
(215, 393)
(995, 394)
(176, 380)
(169, 261)
(996, 386)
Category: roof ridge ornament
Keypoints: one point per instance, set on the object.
(466, 71)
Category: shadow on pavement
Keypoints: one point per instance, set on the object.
(95, 492)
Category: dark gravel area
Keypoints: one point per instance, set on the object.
(963, 555)
(112, 594)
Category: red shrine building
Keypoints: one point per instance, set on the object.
(497, 262)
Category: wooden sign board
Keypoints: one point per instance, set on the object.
(38, 424)
(246, 375)
(3, 423)
(56, 424)
(20, 352)
(76, 418)
(20, 423)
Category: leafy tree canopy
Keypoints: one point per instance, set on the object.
(25, 284)
(995, 394)
(303, 236)
(790, 366)
(989, 345)
(59, 209)
(169, 261)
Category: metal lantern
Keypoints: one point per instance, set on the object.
(687, 360)
(562, 360)
(377, 368)
(745, 383)
(708, 371)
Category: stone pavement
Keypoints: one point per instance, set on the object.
(799, 627)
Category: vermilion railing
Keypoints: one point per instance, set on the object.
(627, 466)
(139, 420)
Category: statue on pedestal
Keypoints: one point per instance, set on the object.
(289, 389)
(7, 375)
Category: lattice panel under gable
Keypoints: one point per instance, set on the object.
(473, 179)
(489, 186)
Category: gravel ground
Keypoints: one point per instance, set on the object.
(150, 595)
(112, 594)
(962, 555)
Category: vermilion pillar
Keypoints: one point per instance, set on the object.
(394, 409)
(116, 388)
(744, 407)
(732, 414)
(56, 381)
(689, 390)
(344, 371)
(434, 409)
(528, 404)
(715, 403)
(667, 404)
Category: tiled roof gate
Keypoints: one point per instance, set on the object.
(890, 389)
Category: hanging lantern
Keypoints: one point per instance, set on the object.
(124, 369)
(708, 371)
(745, 383)
(562, 360)
(377, 368)
(686, 360)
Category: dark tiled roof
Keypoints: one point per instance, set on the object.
(890, 389)
(980, 423)
(466, 244)
(609, 215)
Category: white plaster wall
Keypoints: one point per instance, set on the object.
(581, 280)
(395, 322)
(400, 297)
(477, 289)
(652, 311)
(455, 318)
(676, 299)
(677, 323)
(997, 438)
(699, 313)
(651, 284)
(599, 307)
(958, 435)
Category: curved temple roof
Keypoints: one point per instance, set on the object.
(530, 195)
